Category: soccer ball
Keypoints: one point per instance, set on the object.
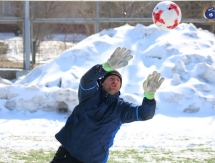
(166, 15)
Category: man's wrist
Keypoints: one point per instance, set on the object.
(106, 67)
(149, 96)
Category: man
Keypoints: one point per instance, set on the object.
(90, 129)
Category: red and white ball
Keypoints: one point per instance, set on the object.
(166, 15)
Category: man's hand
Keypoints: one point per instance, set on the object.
(118, 59)
(151, 84)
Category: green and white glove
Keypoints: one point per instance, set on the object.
(118, 59)
(151, 84)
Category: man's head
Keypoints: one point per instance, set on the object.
(111, 82)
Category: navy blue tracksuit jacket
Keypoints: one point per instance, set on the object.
(90, 129)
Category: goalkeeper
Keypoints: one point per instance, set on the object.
(90, 129)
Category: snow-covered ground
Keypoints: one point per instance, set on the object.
(185, 114)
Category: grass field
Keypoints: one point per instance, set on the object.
(118, 156)
(199, 154)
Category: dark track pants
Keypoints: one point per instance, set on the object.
(63, 156)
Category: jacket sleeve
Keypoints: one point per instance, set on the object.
(133, 112)
(88, 84)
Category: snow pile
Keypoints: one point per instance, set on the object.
(185, 57)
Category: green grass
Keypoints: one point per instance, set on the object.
(150, 155)
(32, 156)
(144, 155)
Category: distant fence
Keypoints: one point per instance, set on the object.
(48, 50)
(11, 52)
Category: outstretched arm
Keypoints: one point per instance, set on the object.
(145, 111)
(88, 84)
(131, 112)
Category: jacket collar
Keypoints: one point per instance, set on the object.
(108, 98)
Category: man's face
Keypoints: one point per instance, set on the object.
(112, 84)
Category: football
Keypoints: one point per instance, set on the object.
(166, 15)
